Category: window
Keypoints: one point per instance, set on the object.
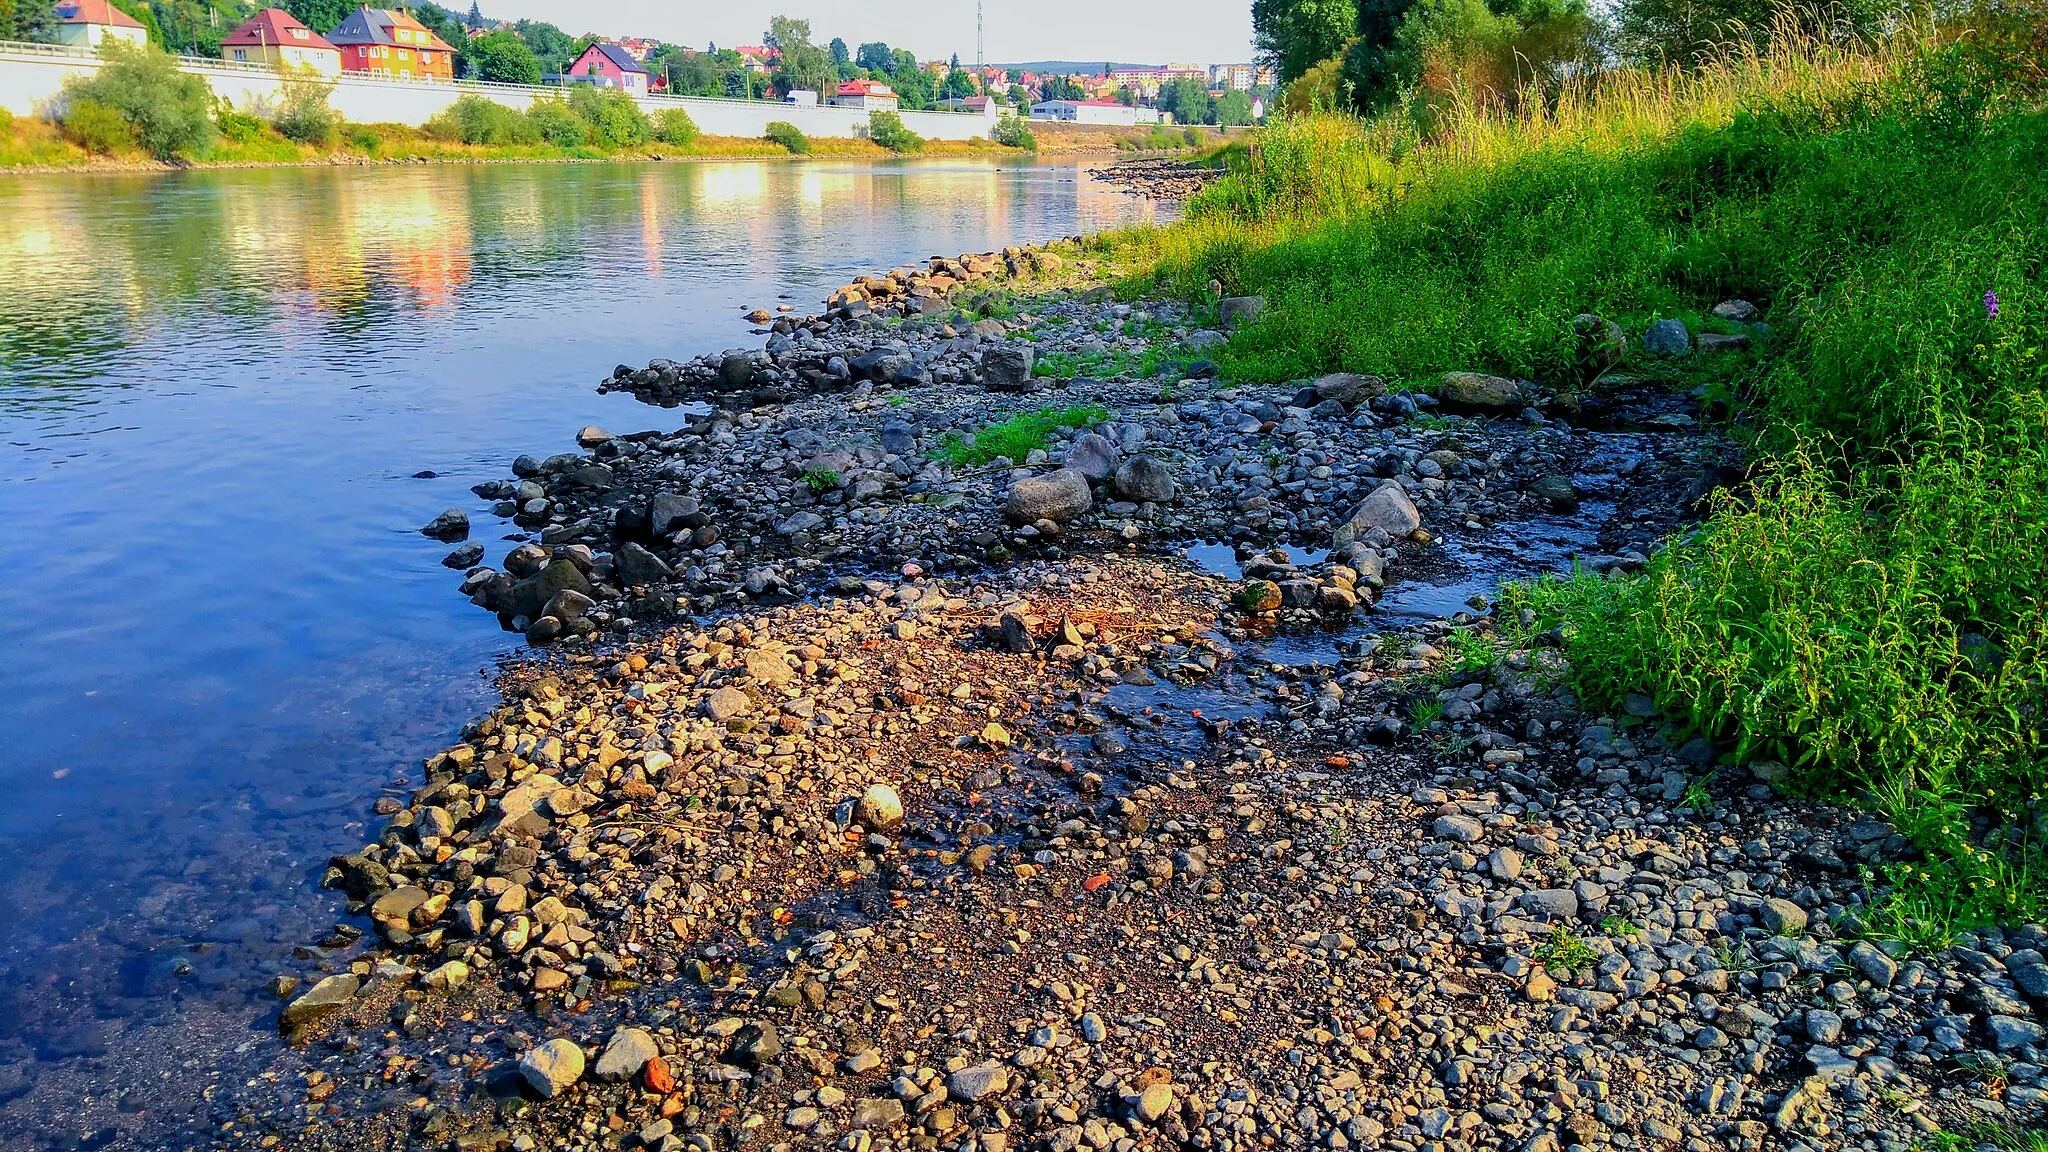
(242, 54)
(299, 34)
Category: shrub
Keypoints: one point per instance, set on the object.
(6, 120)
(614, 118)
(788, 135)
(303, 113)
(239, 127)
(364, 137)
(674, 126)
(557, 125)
(97, 127)
(888, 130)
(1016, 437)
(475, 120)
(169, 111)
(1013, 132)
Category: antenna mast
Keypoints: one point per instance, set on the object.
(980, 52)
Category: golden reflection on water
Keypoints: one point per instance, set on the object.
(92, 264)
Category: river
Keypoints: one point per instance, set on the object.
(220, 633)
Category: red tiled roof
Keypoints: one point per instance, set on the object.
(94, 12)
(275, 26)
(865, 88)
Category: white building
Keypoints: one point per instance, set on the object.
(1093, 112)
(866, 95)
(1238, 76)
(89, 23)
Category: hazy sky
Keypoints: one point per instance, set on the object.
(1146, 31)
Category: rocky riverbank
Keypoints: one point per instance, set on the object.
(986, 728)
(1159, 178)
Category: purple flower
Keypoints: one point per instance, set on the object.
(1991, 304)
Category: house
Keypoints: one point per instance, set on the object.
(90, 23)
(866, 95)
(609, 66)
(755, 58)
(388, 42)
(276, 38)
(637, 47)
(975, 105)
(1093, 112)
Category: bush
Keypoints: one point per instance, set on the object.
(888, 130)
(614, 118)
(169, 111)
(6, 119)
(364, 137)
(1013, 132)
(302, 110)
(788, 135)
(239, 127)
(475, 120)
(674, 126)
(557, 125)
(97, 127)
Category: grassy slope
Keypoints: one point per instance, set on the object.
(1874, 613)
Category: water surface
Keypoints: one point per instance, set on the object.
(220, 631)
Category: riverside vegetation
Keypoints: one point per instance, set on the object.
(883, 788)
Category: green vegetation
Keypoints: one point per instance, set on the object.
(1566, 951)
(1619, 927)
(501, 57)
(1015, 132)
(1868, 611)
(821, 480)
(97, 127)
(614, 118)
(1015, 438)
(168, 113)
(475, 119)
(788, 135)
(674, 126)
(302, 114)
(888, 130)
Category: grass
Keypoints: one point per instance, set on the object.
(2005, 1137)
(1869, 609)
(1566, 951)
(1015, 438)
(821, 480)
(32, 142)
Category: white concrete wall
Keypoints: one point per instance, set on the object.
(32, 80)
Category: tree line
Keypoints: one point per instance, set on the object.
(1366, 55)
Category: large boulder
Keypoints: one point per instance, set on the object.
(324, 997)
(671, 512)
(1093, 456)
(1349, 388)
(1145, 480)
(636, 565)
(1237, 311)
(879, 809)
(1058, 497)
(1007, 368)
(551, 1068)
(628, 1051)
(1476, 390)
(449, 526)
(736, 371)
(1388, 508)
(530, 595)
(1667, 338)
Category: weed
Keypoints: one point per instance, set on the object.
(1426, 711)
(1014, 439)
(898, 399)
(1565, 950)
(1697, 798)
(1472, 651)
(821, 480)
(1619, 927)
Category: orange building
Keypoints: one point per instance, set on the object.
(387, 42)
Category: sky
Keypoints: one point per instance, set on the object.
(1138, 31)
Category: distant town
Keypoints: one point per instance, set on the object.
(429, 43)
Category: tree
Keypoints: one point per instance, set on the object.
(804, 65)
(443, 23)
(1187, 97)
(1018, 96)
(501, 57)
(875, 57)
(1295, 35)
(303, 113)
(475, 19)
(1126, 97)
(34, 21)
(170, 111)
(1371, 73)
(1059, 88)
(550, 45)
(1234, 108)
(319, 15)
(958, 85)
(840, 56)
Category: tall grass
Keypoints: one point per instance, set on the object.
(1873, 612)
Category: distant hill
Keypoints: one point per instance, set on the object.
(1068, 67)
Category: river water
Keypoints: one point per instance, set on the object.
(220, 632)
